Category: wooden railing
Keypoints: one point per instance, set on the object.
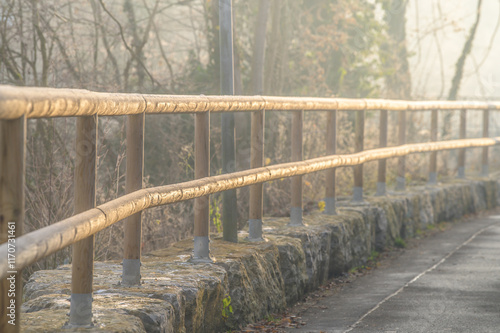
(19, 104)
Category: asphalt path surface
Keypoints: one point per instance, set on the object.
(450, 282)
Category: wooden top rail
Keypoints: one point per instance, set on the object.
(43, 242)
(51, 102)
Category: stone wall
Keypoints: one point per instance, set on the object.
(257, 278)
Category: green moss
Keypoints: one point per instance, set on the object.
(373, 256)
(400, 243)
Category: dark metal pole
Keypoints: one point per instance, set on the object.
(229, 211)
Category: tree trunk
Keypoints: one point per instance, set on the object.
(459, 67)
(398, 84)
(457, 79)
(259, 46)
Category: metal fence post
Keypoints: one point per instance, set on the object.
(296, 209)
(358, 147)
(433, 156)
(486, 124)
(256, 191)
(83, 251)
(229, 202)
(132, 233)
(382, 164)
(331, 149)
(202, 205)
(12, 178)
(461, 152)
(400, 179)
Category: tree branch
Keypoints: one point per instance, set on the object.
(129, 49)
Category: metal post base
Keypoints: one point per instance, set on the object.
(201, 252)
(400, 184)
(485, 171)
(381, 189)
(357, 194)
(296, 217)
(330, 206)
(131, 275)
(255, 230)
(80, 313)
(461, 173)
(433, 179)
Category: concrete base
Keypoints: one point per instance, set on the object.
(461, 173)
(296, 217)
(330, 206)
(131, 272)
(485, 171)
(201, 252)
(357, 194)
(80, 313)
(255, 230)
(381, 189)
(433, 178)
(400, 184)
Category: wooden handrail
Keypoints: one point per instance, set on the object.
(51, 102)
(43, 242)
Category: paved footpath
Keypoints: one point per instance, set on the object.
(449, 283)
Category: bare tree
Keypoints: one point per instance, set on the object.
(459, 67)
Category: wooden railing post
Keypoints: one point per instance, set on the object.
(461, 152)
(83, 251)
(358, 147)
(201, 251)
(256, 191)
(486, 124)
(400, 179)
(12, 168)
(433, 156)
(382, 164)
(331, 149)
(134, 174)
(296, 209)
